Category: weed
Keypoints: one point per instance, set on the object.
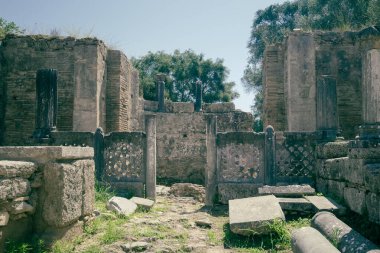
(335, 236)
(92, 249)
(212, 237)
(93, 226)
(103, 192)
(111, 234)
(63, 247)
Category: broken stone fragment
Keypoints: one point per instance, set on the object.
(145, 204)
(4, 218)
(135, 246)
(121, 206)
(205, 223)
(21, 207)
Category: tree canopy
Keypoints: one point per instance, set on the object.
(7, 27)
(183, 70)
(271, 25)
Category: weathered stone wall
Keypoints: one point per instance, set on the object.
(350, 173)
(181, 137)
(336, 55)
(96, 86)
(44, 190)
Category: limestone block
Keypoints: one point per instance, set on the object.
(21, 207)
(332, 149)
(309, 240)
(88, 187)
(295, 204)
(228, 191)
(218, 107)
(372, 177)
(121, 205)
(333, 168)
(188, 190)
(11, 169)
(4, 218)
(364, 153)
(354, 172)
(254, 215)
(355, 199)
(287, 191)
(179, 107)
(13, 188)
(145, 204)
(322, 203)
(373, 207)
(332, 188)
(63, 194)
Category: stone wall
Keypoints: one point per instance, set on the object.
(307, 59)
(349, 172)
(96, 86)
(181, 137)
(44, 190)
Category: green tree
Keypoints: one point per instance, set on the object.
(7, 27)
(183, 70)
(271, 25)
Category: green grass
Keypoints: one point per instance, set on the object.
(35, 246)
(111, 234)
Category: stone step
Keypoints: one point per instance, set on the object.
(295, 205)
(287, 191)
(254, 215)
(322, 203)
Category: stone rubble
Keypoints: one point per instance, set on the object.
(121, 206)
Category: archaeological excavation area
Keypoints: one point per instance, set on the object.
(73, 121)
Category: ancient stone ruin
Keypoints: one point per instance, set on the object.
(71, 114)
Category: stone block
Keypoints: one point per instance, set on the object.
(364, 153)
(373, 207)
(88, 185)
(4, 218)
(355, 199)
(145, 204)
(372, 177)
(218, 107)
(121, 206)
(150, 105)
(331, 188)
(322, 203)
(333, 168)
(13, 188)
(254, 215)
(228, 191)
(21, 207)
(309, 240)
(287, 191)
(332, 150)
(188, 190)
(295, 204)
(10, 169)
(63, 194)
(354, 172)
(179, 107)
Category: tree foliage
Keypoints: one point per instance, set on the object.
(7, 27)
(271, 25)
(183, 70)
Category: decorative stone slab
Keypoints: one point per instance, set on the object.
(322, 203)
(287, 191)
(16, 169)
(254, 215)
(121, 205)
(309, 240)
(145, 204)
(45, 153)
(295, 204)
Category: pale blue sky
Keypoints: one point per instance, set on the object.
(216, 28)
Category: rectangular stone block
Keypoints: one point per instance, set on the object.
(228, 191)
(354, 171)
(295, 204)
(13, 188)
(334, 189)
(364, 153)
(287, 191)
(254, 215)
(333, 168)
(218, 107)
(88, 185)
(179, 107)
(322, 203)
(332, 150)
(11, 169)
(355, 199)
(372, 177)
(373, 207)
(63, 190)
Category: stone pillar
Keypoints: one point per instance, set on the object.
(270, 156)
(46, 103)
(150, 156)
(99, 153)
(160, 91)
(210, 175)
(327, 112)
(300, 88)
(371, 96)
(198, 96)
